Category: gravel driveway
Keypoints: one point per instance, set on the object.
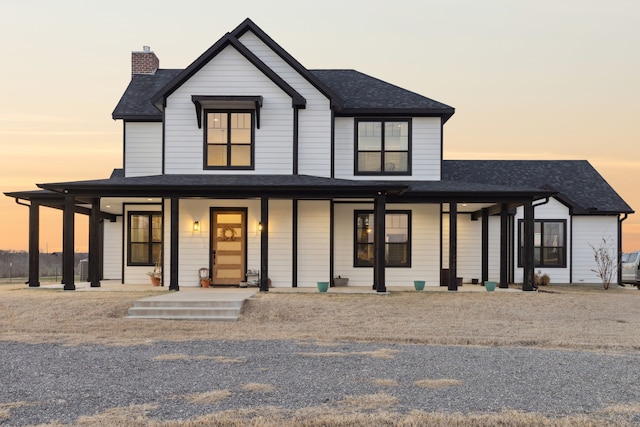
(61, 383)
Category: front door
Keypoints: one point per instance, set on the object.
(228, 246)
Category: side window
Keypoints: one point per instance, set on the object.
(549, 243)
(383, 147)
(229, 139)
(397, 239)
(145, 238)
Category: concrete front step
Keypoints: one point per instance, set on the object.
(191, 305)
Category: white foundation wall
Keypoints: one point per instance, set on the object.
(425, 229)
(469, 244)
(142, 148)
(138, 274)
(313, 242)
(229, 73)
(112, 249)
(195, 246)
(314, 121)
(553, 210)
(425, 150)
(590, 231)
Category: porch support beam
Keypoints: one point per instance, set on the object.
(528, 257)
(95, 253)
(379, 262)
(504, 246)
(34, 244)
(453, 247)
(173, 271)
(264, 244)
(485, 245)
(68, 244)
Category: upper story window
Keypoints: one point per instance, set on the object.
(229, 139)
(549, 243)
(145, 238)
(383, 147)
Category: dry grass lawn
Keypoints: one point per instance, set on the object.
(568, 317)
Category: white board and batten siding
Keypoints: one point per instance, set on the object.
(590, 231)
(142, 148)
(112, 249)
(314, 121)
(229, 73)
(313, 242)
(469, 244)
(424, 241)
(425, 150)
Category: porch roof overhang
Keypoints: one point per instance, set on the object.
(55, 200)
(229, 186)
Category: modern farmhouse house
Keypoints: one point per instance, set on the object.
(247, 161)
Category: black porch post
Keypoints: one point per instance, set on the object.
(453, 247)
(94, 244)
(379, 262)
(504, 246)
(68, 244)
(485, 245)
(264, 244)
(173, 271)
(528, 258)
(34, 244)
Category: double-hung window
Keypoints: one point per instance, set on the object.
(229, 139)
(145, 238)
(397, 246)
(549, 243)
(383, 147)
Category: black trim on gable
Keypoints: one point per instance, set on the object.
(159, 99)
(248, 25)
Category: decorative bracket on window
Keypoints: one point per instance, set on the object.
(226, 102)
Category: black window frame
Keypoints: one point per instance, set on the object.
(540, 263)
(382, 151)
(357, 263)
(205, 128)
(150, 258)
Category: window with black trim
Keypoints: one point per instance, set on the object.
(383, 147)
(397, 247)
(549, 243)
(145, 238)
(228, 139)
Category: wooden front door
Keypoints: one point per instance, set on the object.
(228, 246)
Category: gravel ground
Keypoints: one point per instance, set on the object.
(62, 383)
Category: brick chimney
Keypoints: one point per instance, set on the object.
(144, 62)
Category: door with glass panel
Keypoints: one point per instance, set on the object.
(228, 246)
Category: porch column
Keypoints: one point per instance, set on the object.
(453, 247)
(485, 245)
(528, 256)
(173, 271)
(95, 252)
(504, 246)
(68, 244)
(379, 262)
(34, 244)
(264, 244)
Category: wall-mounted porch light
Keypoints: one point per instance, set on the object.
(259, 227)
(196, 226)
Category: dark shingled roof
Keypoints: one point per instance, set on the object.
(135, 103)
(579, 185)
(361, 92)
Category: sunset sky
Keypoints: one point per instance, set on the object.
(528, 79)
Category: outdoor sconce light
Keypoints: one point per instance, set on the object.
(196, 226)
(260, 227)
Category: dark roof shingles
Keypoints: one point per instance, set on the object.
(136, 100)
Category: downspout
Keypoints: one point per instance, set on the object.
(626, 215)
(17, 199)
